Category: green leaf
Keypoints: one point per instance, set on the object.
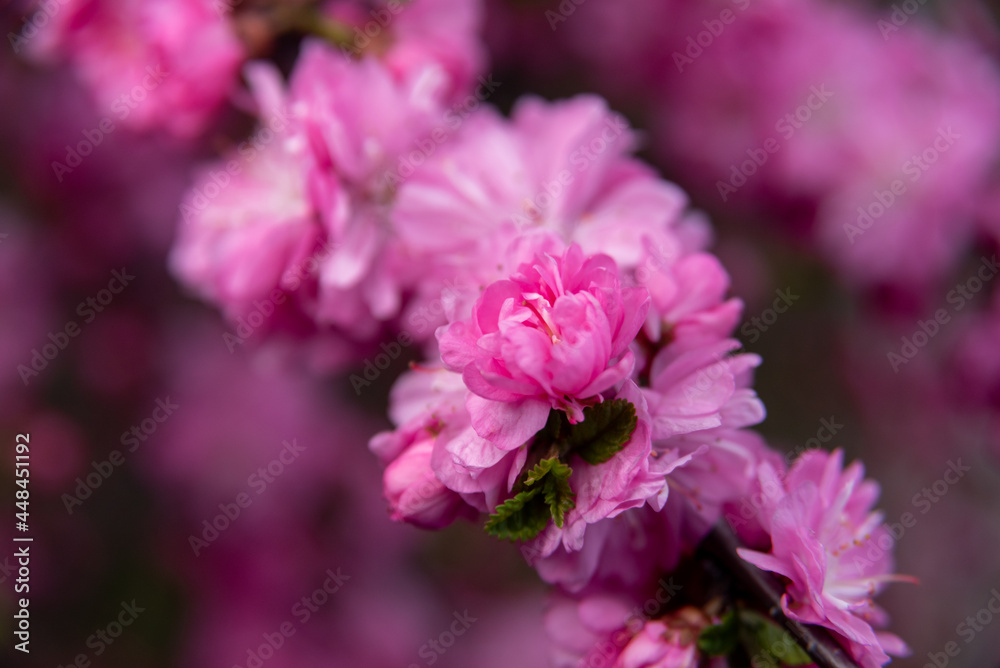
(521, 517)
(545, 494)
(769, 638)
(545, 467)
(604, 431)
(558, 494)
(720, 639)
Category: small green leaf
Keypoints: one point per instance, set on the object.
(605, 430)
(545, 494)
(720, 639)
(558, 494)
(769, 638)
(521, 517)
(552, 466)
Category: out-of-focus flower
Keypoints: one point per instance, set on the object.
(600, 628)
(876, 148)
(560, 169)
(149, 63)
(833, 551)
(301, 206)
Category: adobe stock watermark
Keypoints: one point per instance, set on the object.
(786, 126)
(957, 297)
(59, 340)
(770, 492)
(914, 169)
(565, 9)
(581, 158)
(103, 638)
(258, 482)
(696, 44)
(923, 501)
(133, 438)
(381, 17)
(122, 107)
(300, 614)
(8, 569)
(967, 630)
(47, 10)
(293, 279)
(417, 324)
(900, 16)
(435, 648)
(658, 257)
(452, 119)
(757, 325)
(218, 180)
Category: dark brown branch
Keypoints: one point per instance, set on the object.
(720, 545)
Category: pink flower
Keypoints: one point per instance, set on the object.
(601, 628)
(660, 645)
(428, 405)
(150, 63)
(554, 336)
(563, 169)
(306, 197)
(688, 296)
(241, 232)
(867, 132)
(416, 495)
(631, 478)
(710, 470)
(832, 549)
(702, 389)
(436, 431)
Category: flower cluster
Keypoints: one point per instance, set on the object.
(578, 381)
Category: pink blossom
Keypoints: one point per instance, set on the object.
(416, 495)
(423, 403)
(626, 550)
(800, 112)
(689, 307)
(712, 471)
(241, 232)
(631, 478)
(428, 405)
(564, 168)
(554, 336)
(832, 549)
(148, 63)
(659, 645)
(301, 206)
(605, 628)
(702, 389)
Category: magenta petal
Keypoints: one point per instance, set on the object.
(765, 562)
(507, 425)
